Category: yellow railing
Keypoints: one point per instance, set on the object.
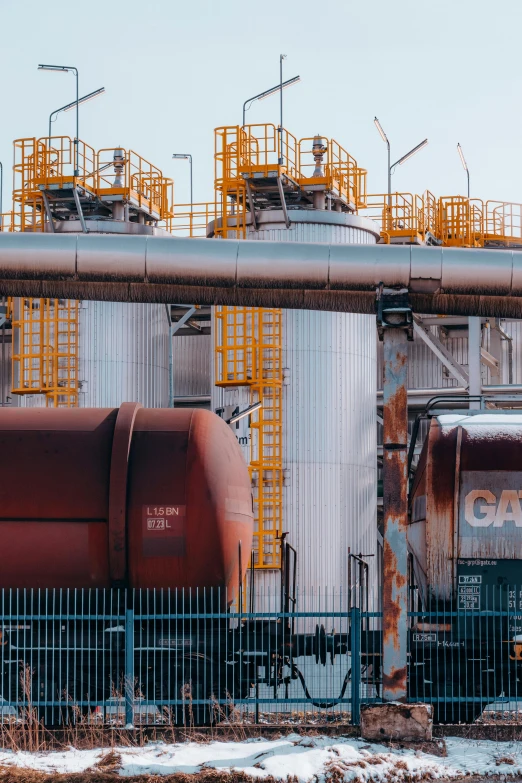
(257, 152)
(398, 215)
(503, 223)
(132, 178)
(340, 175)
(192, 220)
(452, 221)
(42, 161)
(460, 222)
(111, 172)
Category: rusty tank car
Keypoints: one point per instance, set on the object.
(128, 497)
(134, 513)
(465, 544)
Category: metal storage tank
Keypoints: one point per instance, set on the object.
(89, 354)
(329, 420)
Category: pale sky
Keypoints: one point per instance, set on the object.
(447, 69)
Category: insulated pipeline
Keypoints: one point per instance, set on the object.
(342, 278)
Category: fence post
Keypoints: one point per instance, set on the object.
(355, 650)
(129, 669)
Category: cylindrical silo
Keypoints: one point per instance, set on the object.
(329, 449)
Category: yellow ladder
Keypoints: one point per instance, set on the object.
(45, 349)
(248, 346)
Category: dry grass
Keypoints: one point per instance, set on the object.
(505, 759)
(15, 775)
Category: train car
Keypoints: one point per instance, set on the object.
(98, 507)
(125, 535)
(465, 543)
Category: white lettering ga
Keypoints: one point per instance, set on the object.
(508, 509)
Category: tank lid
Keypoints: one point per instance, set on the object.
(99, 226)
(274, 218)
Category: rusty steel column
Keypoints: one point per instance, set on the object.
(395, 329)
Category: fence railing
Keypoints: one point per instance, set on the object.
(158, 657)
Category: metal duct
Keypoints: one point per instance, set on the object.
(268, 274)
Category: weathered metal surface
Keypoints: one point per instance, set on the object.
(395, 502)
(62, 524)
(281, 274)
(471, 497)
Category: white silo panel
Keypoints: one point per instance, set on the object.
(123, 354)
(191, 360)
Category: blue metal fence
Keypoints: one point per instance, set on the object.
(145, 657)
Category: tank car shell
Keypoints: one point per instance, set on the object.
(135, 497)
(465, 501)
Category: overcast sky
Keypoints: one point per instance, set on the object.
(446, 69)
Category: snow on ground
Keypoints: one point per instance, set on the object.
(306, 758)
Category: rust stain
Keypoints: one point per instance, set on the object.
(395, 681)
(393, 582)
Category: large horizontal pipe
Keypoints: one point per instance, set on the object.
(269, 274)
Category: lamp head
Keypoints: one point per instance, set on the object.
(59, 68)
(85, 98)
(381, 130)
(412, 152)
(462, 158)
(278, 87)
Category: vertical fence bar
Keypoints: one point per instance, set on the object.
(355, 634)
(129, 668)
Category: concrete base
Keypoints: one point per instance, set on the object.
(396, 721)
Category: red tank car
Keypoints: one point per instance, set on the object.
(131, 497)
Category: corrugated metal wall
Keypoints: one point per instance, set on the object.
(124, 354)
(192, 361)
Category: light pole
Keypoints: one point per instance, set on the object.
(262, 95)
(400, 161)
(463, 161)
(71, 69)
(1, 191)
(70, 106)
(281, 58)
(181, 156)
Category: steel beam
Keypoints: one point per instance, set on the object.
(394, 321)
(283, 202)
(474, 358)
(493, 360)
(395, 501)
(183, 320)
(252, 205)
